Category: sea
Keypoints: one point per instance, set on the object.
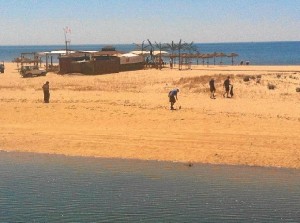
(56, 188)
(257, 53)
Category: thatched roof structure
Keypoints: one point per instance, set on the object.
(232, 55)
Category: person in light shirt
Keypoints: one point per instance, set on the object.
(173, 97)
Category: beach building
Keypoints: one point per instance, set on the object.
(131, 61)
(106, 61)
(91, 62)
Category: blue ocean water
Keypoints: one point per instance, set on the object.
(258, 53)
(54, 188)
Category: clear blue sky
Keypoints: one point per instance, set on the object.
(36, 22)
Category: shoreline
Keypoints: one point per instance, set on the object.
(188, 164)
(126, 116)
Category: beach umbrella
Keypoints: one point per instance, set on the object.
(214, 56)
(206, 56)
(232, 55)
(197, 56)
(221, 55)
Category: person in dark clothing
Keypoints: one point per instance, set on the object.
(46, 92)
(227, 87)
(173, 97)
(212, 88)
(147, 61)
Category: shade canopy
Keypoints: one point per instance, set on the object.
(232, 55)
(158, 52)
(140, 52)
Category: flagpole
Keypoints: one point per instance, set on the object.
(66, 30)
(65, 33)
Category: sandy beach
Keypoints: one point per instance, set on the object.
(126, 115)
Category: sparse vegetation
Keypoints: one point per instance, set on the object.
(246, 79)
(194, 80)
(199, 84)
(271, 86)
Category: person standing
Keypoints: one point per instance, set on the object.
(173, 97)
(46, 92)
(147, 62)
(171, 63)
(212, 88)
(227, 87)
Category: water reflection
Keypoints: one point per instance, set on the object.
(51, 188)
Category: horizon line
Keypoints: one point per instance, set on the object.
(112, 44)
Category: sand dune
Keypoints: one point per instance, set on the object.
(126, 115)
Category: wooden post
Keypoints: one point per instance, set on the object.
(160, 64)
(179, 47)
(46, 61)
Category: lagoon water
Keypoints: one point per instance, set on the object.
(54, 188)
(258, 53)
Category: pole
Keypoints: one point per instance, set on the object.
(179, 47)
(46, 61)
(66, 41)
(160, 60)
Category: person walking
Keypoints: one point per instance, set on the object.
(173, 97)
(227, 87)
(212, 88)
(46, 92)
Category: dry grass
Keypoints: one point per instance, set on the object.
(13, 87)
(200, 84)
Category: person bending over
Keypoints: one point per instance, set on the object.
(173, 97)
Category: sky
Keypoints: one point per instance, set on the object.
(41, 22)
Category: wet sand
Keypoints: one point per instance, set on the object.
(126, 115)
